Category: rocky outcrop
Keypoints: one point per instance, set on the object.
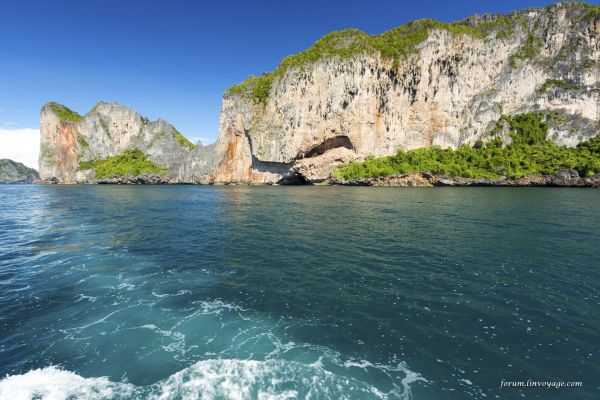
(347, 95)
(16, 172)
(563, 178)
(143, 179)
(68, 141)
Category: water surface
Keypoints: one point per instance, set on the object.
(298, 292)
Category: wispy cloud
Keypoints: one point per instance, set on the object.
(203, 140)
(9, 125)
(20, 144)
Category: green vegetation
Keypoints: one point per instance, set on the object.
(589, 64)
(94, 109)
(105, 128)
(131, 162)
(65, 114)
(503, 26)
(182, 140)
(179, 138)
(396, 45)
(591, 12)
(528, 51)
(525, 129)
(529, 153)
(83, 144)
(557, 83)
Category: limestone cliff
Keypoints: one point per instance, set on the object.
(16, 172)
(353, 95)
(70, 141)
(426, 83)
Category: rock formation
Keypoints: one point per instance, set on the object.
(69, 140)
(353, 95)
(356, 100)
(566, 177)
(16, 172)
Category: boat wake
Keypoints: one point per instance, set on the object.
(209, 379)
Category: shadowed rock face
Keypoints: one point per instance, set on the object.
(450, 91)
(16, 172)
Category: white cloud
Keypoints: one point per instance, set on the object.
(203, 140)
(22, 145)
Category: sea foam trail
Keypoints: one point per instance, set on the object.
(323, 373)
(208, 379)
(51, 383)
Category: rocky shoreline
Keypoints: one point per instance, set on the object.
(563, 178)
(144, 179)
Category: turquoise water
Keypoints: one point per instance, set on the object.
(298, 292)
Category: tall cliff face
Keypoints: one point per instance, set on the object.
(69, 140)
(426, 83)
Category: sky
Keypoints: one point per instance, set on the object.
(170, 59)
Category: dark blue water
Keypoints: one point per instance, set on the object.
(298, 292)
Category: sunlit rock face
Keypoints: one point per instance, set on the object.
(451, 91)
(109, 129)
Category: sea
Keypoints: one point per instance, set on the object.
(299, 292)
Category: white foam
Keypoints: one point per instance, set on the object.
(52, 383)
(81, 297)
(208, 379)
(275, 377)
(126, 286)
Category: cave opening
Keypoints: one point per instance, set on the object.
(294, 180)
(326, 145)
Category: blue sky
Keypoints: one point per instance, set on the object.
(173, 59)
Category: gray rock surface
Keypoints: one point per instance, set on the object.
(108, 130)
(563, 178)
(16, 172)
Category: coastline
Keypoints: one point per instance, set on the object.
(562, 178)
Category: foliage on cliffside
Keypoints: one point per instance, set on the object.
(64, 113)
(528, 153)
(591, 11)
(183, 141)
(131, 162)
(528, 51)
(395, 45)
(399, 43)
(565, 85)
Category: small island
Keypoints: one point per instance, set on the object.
(16, 172)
